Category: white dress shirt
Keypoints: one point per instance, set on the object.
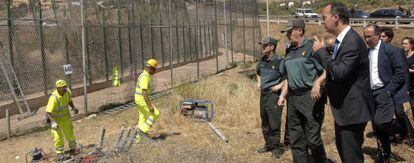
(375, 80)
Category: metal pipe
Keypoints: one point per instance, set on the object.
(118, 139)
(101, 138)
(218, 132)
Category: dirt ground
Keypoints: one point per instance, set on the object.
(189, 141)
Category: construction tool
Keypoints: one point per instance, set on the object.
(197, 109)
(37, 155)
(218, 132)
(201, 110)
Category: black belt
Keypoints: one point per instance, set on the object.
(299, 91)
(268, 89)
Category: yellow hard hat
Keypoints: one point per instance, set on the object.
(60, 83)
(153, 63)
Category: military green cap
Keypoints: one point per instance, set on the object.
(293, 23)
(268, 40)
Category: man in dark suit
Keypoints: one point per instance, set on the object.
(388, 74)
(348, 83)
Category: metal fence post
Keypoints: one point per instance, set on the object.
(105, 42)
(216, 46)
(66, 48)
(161, 35)
(196, 41)
(85, 92)
(141, 38)
(184, 49)
(171, 52)
(231, 31)
(42, 50)
(205, 36)
(152, 33)
(209, 37)
(88, 59)
(131, 14)
(189, 41)
(176, 32)
(244, 33)
(8, 123)
(120, 26)
(10, 32)
(225, 33)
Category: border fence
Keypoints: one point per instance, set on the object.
(40, 37)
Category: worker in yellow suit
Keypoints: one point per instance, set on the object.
(58, 115)
(148, 114)
(115, 77)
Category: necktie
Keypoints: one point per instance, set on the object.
(335, 49)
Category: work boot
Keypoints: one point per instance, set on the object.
(265, 149)
(61, 157)
(276, 153)
(73, 152)
(142, 136)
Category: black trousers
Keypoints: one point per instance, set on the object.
(270, 113)
(305, 118)
(349, 141)
(384, 123)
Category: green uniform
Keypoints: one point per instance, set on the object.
(305, 116)
(270, 113)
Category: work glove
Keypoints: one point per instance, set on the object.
(53, 125)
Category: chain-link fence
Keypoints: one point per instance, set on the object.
(189, 38)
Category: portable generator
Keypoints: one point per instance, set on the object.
(197, 109)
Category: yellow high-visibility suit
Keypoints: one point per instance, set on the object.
(58, 107)
(146, 118)
(115, 77)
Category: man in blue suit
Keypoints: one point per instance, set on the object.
(388, 73)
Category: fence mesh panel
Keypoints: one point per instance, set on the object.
(40, 38)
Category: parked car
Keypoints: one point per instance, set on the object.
(359, 14)
(305, 13)
(389, 13)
